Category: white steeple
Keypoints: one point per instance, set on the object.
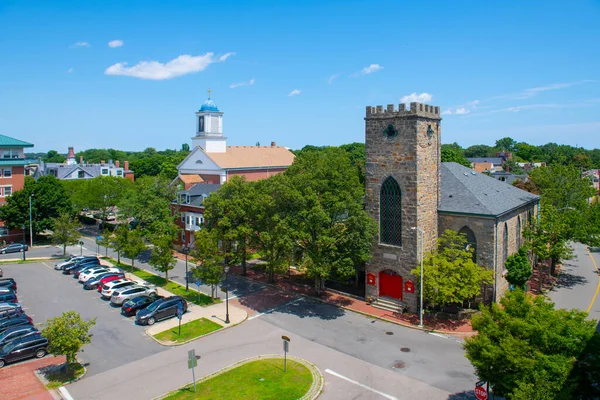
(209, 128)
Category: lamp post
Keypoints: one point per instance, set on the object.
(226, 296)
(421, 283)
(30, 222)
(186, 250)
(24, 240)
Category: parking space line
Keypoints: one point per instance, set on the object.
(387, 396)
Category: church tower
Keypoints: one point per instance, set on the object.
(209, 128)
(402, 194)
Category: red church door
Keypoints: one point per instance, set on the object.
(390, 284)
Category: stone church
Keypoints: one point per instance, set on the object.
(414, 197)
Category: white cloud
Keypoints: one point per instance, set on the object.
(367, 70)
(420, 98)
(461, 111)
(69, 70)
(153, 70)
(333, 78)
(294, 92)
(447, 112)
(246, 83)
(80, 44)
(534, 91)
(115, 43)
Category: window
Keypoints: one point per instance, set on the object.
(52, 172)
(505, 246)
(518, 232)
(10, 153)
(183, 236)
(201, 124)
(390, 209)
(187, 199)
(3, 230)
(7, 172)
(471, 240)
(80, 174)
(182, 217)
(104, 171)
(197, 221)
(7, 191)
(119, 172)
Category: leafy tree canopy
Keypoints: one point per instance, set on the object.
(65, 231)
(451, 154)
(68, 334)
(519, 268)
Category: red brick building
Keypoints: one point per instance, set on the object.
(12, 177)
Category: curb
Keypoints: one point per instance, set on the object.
(465, 334)
(312, 393)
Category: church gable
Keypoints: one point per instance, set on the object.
(198, 162)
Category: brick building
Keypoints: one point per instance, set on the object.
(190, 210)
(12, 177)
(409, 192)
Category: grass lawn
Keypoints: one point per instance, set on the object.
(261, 379)
(189, 330)
(59, 377)
(175, 288)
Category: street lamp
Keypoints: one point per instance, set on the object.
(226, 296)
(30, 222)
(186, 250)
(24, 240)
(421, 290)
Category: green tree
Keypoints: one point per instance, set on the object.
(519, 268)
(67, 335)
(64, 231)
(524, 341)
(185, 147)
(134, 246)
(450, 154)
(331, 227)
(506, 144)
(104, 193)
(451, 274)
(54, 157)
(118, 240)
(209, 259)
(231, 211)
(479, 150)
(161, 257)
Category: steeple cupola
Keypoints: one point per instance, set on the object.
(209, 128)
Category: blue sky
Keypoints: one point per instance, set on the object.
(525, 69)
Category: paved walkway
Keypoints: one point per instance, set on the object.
(18, 381)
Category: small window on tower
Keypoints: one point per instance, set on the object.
(201, 124)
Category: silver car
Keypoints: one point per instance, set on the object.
(121, 295)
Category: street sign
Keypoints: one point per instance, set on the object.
(480, 383)
(286, 348)
(192, 361)
(98, 238)
(199, 282)
(81, 243)
(481, 392)
(179, 312)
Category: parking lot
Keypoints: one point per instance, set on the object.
(46, 293)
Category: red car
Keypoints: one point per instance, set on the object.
(108, 279)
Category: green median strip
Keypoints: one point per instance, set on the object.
(189, 331)
(178, 290)
(59, 375)
(262, 379)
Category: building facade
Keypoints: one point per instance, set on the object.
(189, 209)
(414, 198)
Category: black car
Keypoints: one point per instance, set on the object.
(161, 309)
(132, 306)
(68, 261)
(21, 320)
(80, 264)
(15, 333)
(91, 284)
(9, 283)
(9, 306)
(21, 349)
(11, 312)
(8, 298)
(14, 248)
(1, 273)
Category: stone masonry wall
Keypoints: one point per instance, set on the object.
(412, 158)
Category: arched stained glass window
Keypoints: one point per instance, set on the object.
(505, 245)
(471, 240)
(518, 232)
(390, 208)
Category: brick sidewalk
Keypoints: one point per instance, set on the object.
(18, 381)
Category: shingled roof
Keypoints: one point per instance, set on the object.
(240, 157)
(465, 191)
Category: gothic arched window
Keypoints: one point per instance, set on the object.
(390, 217)
(505, 245)
(471, 240)
(518, 232)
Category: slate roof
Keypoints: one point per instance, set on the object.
(199, 192)
(493, 160)
(465, 191)
(63, 170)
(6, 141)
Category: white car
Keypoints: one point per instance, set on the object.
(86, 272)
(92, 274)
(123, 294)
(60, 264)
(108, 289)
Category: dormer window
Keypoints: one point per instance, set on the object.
(104, 171)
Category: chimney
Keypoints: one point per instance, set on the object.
(71, 153)
(101, 161)
(80, 159)
(273, 144)
(126, 165)
(117, 164)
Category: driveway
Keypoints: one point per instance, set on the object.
(46, 293)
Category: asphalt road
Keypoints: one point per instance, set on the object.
(35, 251)
(45, 293)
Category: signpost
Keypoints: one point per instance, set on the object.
(480, 391)
(81, 248)
(179, 315)
(98, 241)
(198, 283)
(192, 362)
(286, 348)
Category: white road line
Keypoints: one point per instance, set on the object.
(387, 396)
(438, 335)
(275, 308)
(65, 393)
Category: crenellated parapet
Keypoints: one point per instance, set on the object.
(416, 109)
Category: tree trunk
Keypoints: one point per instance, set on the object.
(554, 261)
(167, 275)
(118, 257)
(132, 261)
(64, 249)
(244, 265)
(356, 278)
(271, 274)
(318, 285)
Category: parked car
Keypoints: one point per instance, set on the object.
(160, 309)
(6, 323)
(80, 264)
(108, 291)
(129, 292)
(8, 298)
(1, 273)
(62, 265)
(23, 348)
(110, 283)
(9, 283)
(133, 305)
(9, 306)
(10, 313)
(88, 269)
(14, 248)
(15, 333)
(102, 279)
(59, 265)
(92, 274)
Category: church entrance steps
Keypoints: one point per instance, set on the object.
(388, 304)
